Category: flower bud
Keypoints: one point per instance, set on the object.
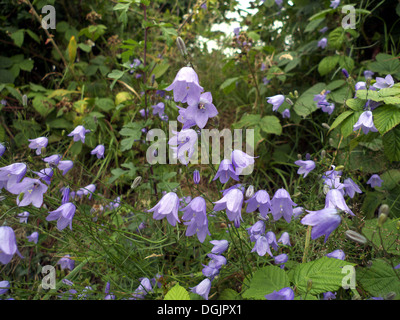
(289, 101)
(383, 215)
(196, 176)
(136, 182)
(356, 237)
(181, 46)
(296, 94)
(345, 73)
(250, 192)
(323, 154)
(390, 296)
(24, 100)
(325, 125)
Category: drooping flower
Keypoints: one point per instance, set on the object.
(66, 263)
(65, 166)
(186, 86)
(65, 195)
(23, 217)
(195, 213)
(34, 237)
(232, 201)
(286, 113)
(261, 201)
(158, 109)
(323, 30)
(329, 295)
(334, 3)
(4, 285)
(186, 143)
(375, 181)
(8, 244)
(38, 144)
(305, 167)
(12, 174)
(282, 205)
(284, 239)
(283, 294)
(261, 246)
(203, 288)
(201, 110)
(334, 199)
(98, 151)
(32, 190)
(281, 259)
(220, 246)
(196, 176)
(45, 175)
(63, 214)
(322, 43)
(271, 237)
(365, 122)
(182, 118)
(345, 73)
(256, 230)
(368, 74)
(79, 133)
(241, 161)
(167, 207)
(386, 82)
(337, 254)
(88, 190)
(351, 187)
(53, 160)
(323, 221)
(276, 101)
(143, 289)
(2, 149)
(226, 171)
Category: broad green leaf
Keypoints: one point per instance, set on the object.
(271, 124)
(305, 104)
(379, 279)
(391, 179)
(229, 84)
(340, 119)
(348, 124)
(321, 14)
(369, 94)
(391, 144)
(386, 117)
(335, 84)
(72, 47)
(336, 38)
(372, 201)
(177, 292)
(26, 65)
(43, 105)
(229, 294)
(389, 235)
(385, 64)
(18, 37)
(346, 63)
(313, 24)
(356, 104)
(327, 64)
(160, 69)
(265, 281)
(248, 120)
(325, 274)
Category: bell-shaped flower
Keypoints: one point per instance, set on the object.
(79, 133)
(4, 285)
(351, 187)
(195, 213)
(375, 181)
(276, 101)
(98, 151)
(158, 109)
(365, 122)
(322, 43)
(283, 294)
(32, 190)
(45, 175)
(186, 86)
(167, 207)
(337, 254)
(34, 237)
(12, 174)
(53, 160)
(143, 289)
(220, 246)
(334, 3)
(88, 190)
(8, 244)
(65, 166)
(256, 230)
(2, 149)
(386, 82)
(305, 167)
(66, 263)
(282, 205)
(323, 221)
(226, 171)
(201, 110)
(232, 201)
(23, 217)
(284, 239)
(261, 246)
(261, 201)
(63, 214)
(182, 118)
(334, 199)
(196, 176)
(241, 161)
(271, 237)
(38, 144)
(203, 288)
(281, 259)
(186, 144)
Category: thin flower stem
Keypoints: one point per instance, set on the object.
(307, 244)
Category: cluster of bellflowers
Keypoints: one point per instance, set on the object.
(30, 186)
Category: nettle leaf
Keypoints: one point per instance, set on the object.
(271, 124)
(369, 94)
(389, 232)
(265, 281)
(325, 274)
(177, 292)
(305, 104)
(18, 37)
(348, 124)
(340, 119)
(248, 120)
(379, 279)
(385, 64)
(346, 62)
(391, 144)
(336, 38)
(327, 64)
(356, 104)
(133, 132)
(386, 117)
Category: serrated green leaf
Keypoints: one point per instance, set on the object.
(177, 292)
(229, 84)
(385, 64)
(386, 117)
(389, 232)
(229, 294)
(18, 37)
(336, 38)
(356, 104)
(305, 104)
(271, 124)
(340, 119)
(391, 144)
(325, 274)
(265, 281)
(160, 69)
(347, 125)
(327, 64)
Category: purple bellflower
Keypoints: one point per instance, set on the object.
(351, 187)
(196, 214)
(220, 246)
(329, 296)
(53, 160)
(283, 294)
(34, 237)
(375, 181)
(12, 174)
(65, 166)
(284, 239)
(232, 201)
(158, 109)
(4, 285)
(305, 167)
(201, 110)
(167, 207)
(66, 263)
(196, 176)
(322, 43)
(282, 205)
(8, 244)
(38, 144)
(186, 86)
(203, 288)
(2, 149)
(98, 151)
(45, 175)
(63, 214)
(365, 122)
(23, 217)
(337, 254)
(186, 144)
(241, 161)
(334, 199)
(32, 190)
(226, 171)
(286, 113)
(256, 230)
(276, 101)
(386, 82)
(334, 3)
(368, 74)
(79, 133)
(323, 222)
(261, 201)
